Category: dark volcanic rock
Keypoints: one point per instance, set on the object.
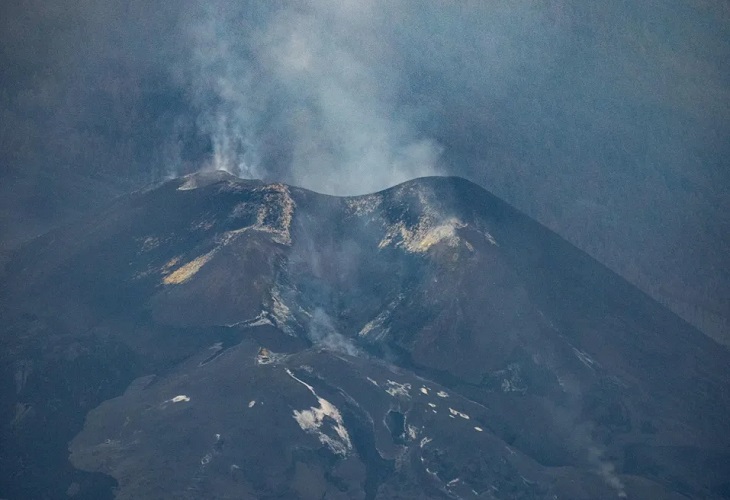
(220, 338)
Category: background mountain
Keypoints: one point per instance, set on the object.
(213, 336)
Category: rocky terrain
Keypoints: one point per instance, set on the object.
(213, 337)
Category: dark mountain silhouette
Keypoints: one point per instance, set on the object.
(214, 337)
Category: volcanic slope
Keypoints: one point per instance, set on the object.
(213, 337)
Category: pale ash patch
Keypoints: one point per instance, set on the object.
(187, 271)
(149, 243)
(202, 225)
(398, 390)
(274, 215)
(412, 432)
(279, 316)
(167, 268)
(457, 413)
(491, 239)
(364, 205)
(280, 312)
(267, 357)
(432, 473)
(261, 319)
(164, 270)
(422, 236)
(311, 421)
(376, 325)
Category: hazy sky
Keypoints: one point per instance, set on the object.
(608, 121)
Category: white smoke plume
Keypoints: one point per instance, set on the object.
(322, 333)
(606, 470)
(306, 79)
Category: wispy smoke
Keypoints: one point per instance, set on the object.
(305, 90)
(220, 76)
(606, 470)
(568, 421)
(348, 97)
(322, 333)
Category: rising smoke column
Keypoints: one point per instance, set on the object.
(306, 92)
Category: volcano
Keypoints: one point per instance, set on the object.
(213, 337)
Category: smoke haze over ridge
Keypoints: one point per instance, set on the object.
(608, 123)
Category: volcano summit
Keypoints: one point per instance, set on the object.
(214, 337)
